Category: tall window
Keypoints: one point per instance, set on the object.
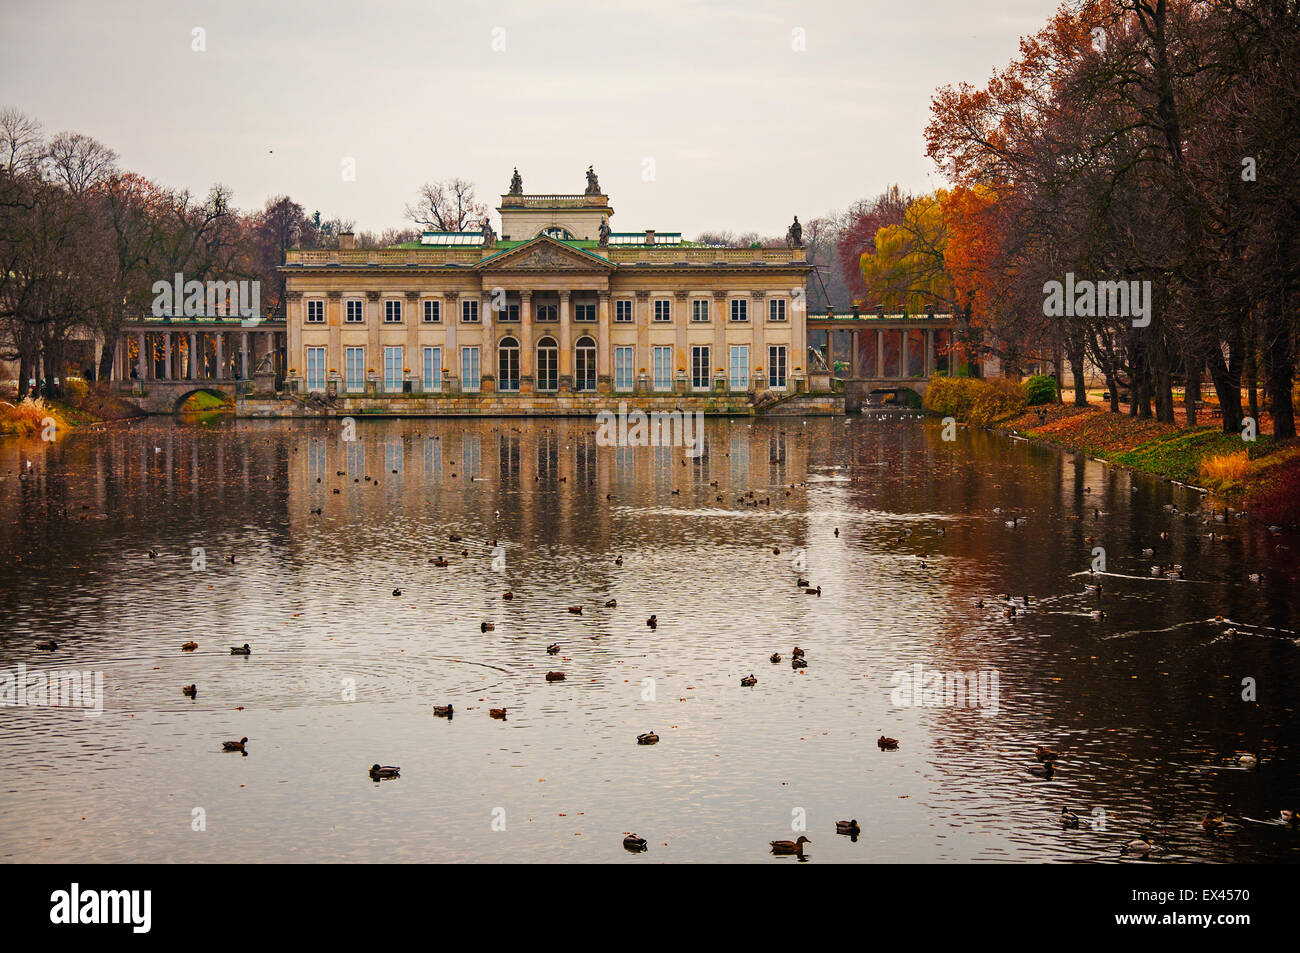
(623, 311)
(739, 309)
(315, 368)
(776, 309)
(354, 313)
(508, 364)
(392, 311)
(432, 376)
(432, 311)
(354, 368)
(663, 368)
(510, 312)
(624, 372)
(700, 367)
(469, 311)
(700, 309)
(776, 366)
(584, 312)
(663, 309)
(585, 365)
(315, 312)
(740, 367)
(469, 369)
(393, 368)
(547, 312)
(548, 364)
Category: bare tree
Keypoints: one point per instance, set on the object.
(79, 162)
(447, 206)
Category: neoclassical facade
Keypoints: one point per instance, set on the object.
(558, 304)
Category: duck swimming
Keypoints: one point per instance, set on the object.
(487, 626)
(813, 592)
(380, 772)
(796, 652)
(749, 680)
(553, 648)
(241, 650)
(498, 713)
(649, 738)
(848, 827)
(189, 646)
(798, 663)
(1212, 823)
(1141, 844)
(576, 610)
(789, 846)
(190, 691)
(635, 844)
(48, 646)
(887, 744)
(1069, 818)
(611, 604)
(555, 676)
(444, 711)
(774, 657)
(234, 745)
(653, 621)
(1045, 754)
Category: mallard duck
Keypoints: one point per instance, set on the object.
(789, 846)
(555, 676)
(189, 646)
(1046, 770)
(553, 648)
(487, 626)
(190, 691)
(440, 562)
(749, 680)
(234, 745)
(813, 592)
(653, 621)
(796, 652)
(618, 561)
(649, 738)
(47, 646)
(379, 772)
(444, 711)
(802, 583)
(635, 844)
(1069, 818)
(576, 610)
(774, 657)
(153, 554)
(1245, 758)
(848, 827)
(241, 650)
(611, 604)
(507, 595)
(1212, 823)
(798, 663)
(776, 550)
(887, 744)
(454, 538)
(499, 713)
(1142, 844)
(1045, 754)
(398, 592)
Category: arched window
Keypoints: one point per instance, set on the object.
(508, 364)
(557, 232)
(548, 364)
(584, 377)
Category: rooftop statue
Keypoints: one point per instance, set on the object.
(593, 184)
(794, 234)
(604, 232)
(516, 184)
(489, 234)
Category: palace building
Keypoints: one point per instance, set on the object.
(559, 303)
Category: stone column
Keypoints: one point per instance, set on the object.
(167, 355)
(374, 352)
(604, 367)
(566, 344)
(526, 381)
(643, 356)
(719, 317)
(334, 321)
(141, 369)
(487, 358)
(928, 370)
(269, 341)
(681, 304)
(220, 368)
(243, 354)
(450, 356)
(411, 355)
(192, 369)
(880, 353)
(830, 351)
(758, 318)
(855, 361)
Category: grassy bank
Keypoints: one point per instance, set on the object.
(1261, 475)
(82, 407)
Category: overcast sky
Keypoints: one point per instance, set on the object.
(742, 129)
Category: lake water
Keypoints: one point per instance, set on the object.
(1144, 706)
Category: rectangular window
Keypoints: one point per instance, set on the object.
(469, 369)
(663, 309)
(510, 312)
(548, 312)
(623, 311)
(700, 309)
(432, 376)
(584, 312)
(469, 311)
(432, 311)
(663, 368)
(393, 369)
(624, 372)
(739, 309)
(315, 312)
(700, 367)
(392, 311)
(740, 367)
(354, 312)
(776, 309)
(776, 366)
(315, 368)
(354, 368)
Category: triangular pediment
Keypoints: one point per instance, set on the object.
(544, 254)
